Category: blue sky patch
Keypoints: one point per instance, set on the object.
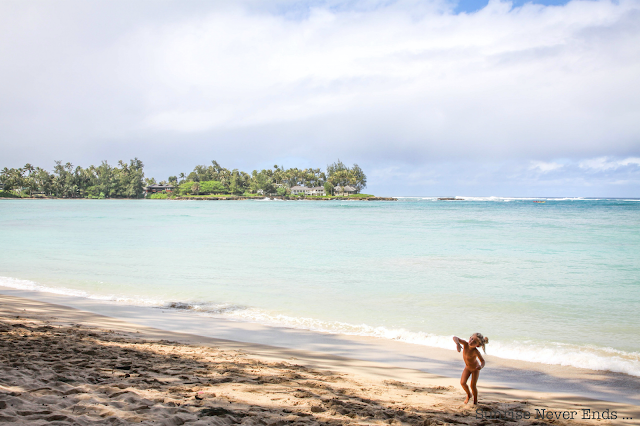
(470, 6)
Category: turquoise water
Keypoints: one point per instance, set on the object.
(557, 282)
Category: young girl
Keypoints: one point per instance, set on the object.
(471, 356)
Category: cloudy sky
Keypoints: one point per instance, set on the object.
(429, 97)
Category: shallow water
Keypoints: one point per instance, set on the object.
(556, 282)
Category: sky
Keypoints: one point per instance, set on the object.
(438, 97)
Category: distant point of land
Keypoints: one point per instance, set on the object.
(213, 182)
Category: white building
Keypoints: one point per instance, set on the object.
(298, 190)
(316, 190)
(303, 190)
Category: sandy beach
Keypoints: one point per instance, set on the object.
(67, 366)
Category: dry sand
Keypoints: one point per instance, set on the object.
(59, 365)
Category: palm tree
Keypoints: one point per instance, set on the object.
(195, 188)
(28, 181)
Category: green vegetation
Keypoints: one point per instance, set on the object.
(159, 196)
(361, 196)
(328, 188)
(203, 187)
(10, 194)
(126, 180)
(103, 181)
(341, 175)
(283, 190)
(215, 179)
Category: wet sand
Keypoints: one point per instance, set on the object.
(61, 365)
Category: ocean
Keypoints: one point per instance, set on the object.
(555, 282)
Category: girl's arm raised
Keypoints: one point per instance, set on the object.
(460, 342)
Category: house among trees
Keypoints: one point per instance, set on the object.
(303, 190)
(298, 190)
(152, 189)
(316, 190)
(344, 190)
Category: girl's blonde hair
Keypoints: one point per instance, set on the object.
(483, 341)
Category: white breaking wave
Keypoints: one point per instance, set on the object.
(268, 199)
(589, 357)
(33, 286)
(467, 198)
(507, 199)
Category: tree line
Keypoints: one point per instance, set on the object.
(67, 181)
(126, 180)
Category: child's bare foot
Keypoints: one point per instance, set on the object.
(467, 400)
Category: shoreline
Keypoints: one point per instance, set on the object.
(527, 376)
(381, 390)
(217, 198)
(285, 198)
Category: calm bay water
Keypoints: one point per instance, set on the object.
(557, 282)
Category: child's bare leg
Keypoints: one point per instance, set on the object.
(463, 381)
(474, 389)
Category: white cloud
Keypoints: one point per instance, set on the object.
(381, 82)
(606, 163)
(544, 167)
(498, 82)
(630, 161)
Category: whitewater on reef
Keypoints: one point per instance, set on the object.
(554, 283)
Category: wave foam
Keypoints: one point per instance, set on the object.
(27, 285)
(590, 357)
(508, 199)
